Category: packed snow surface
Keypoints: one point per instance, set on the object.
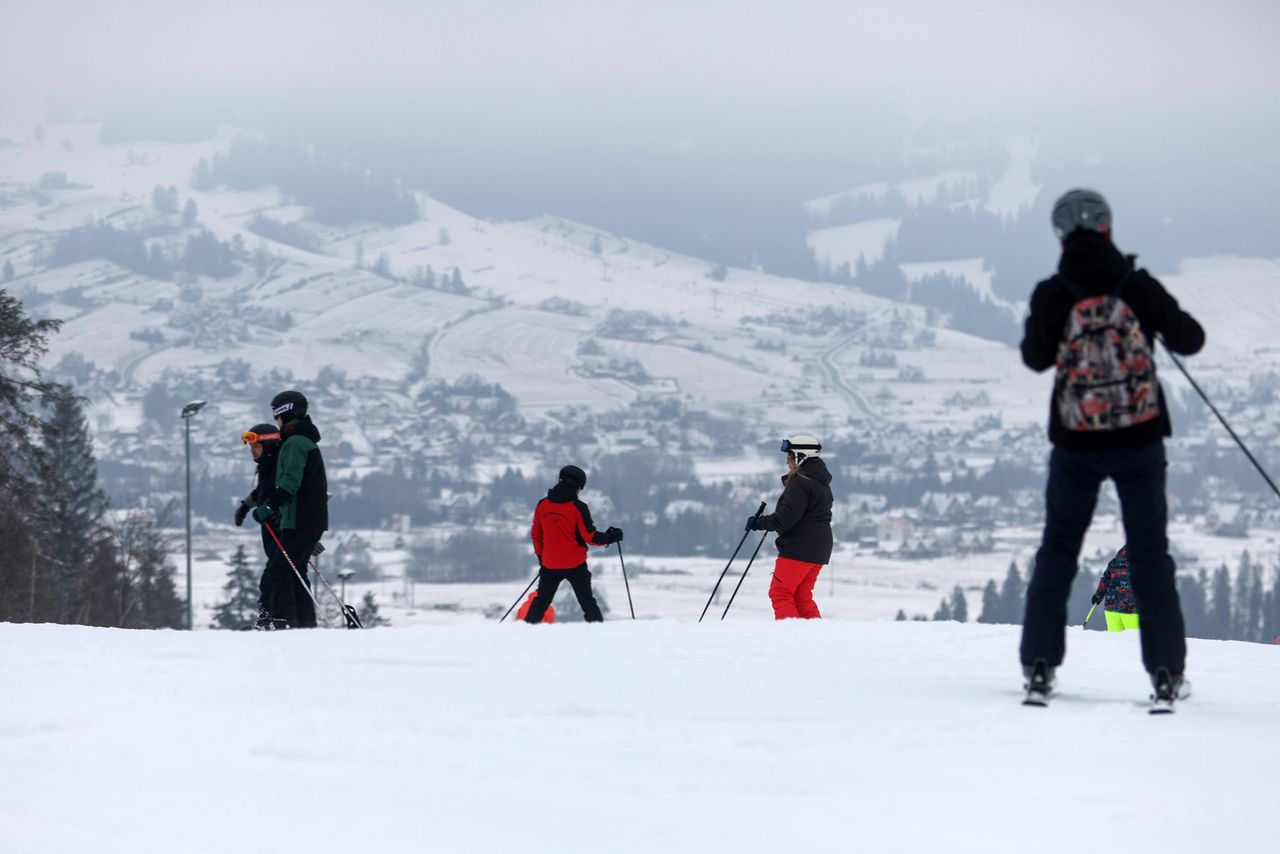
(655, 735)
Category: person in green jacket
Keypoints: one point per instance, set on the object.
(297, 509)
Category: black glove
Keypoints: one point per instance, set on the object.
(241, 512)
(263, 513)
(1097, 599)
(753, 523)
(613, 535)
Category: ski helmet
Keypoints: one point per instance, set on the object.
(260, 434)
(289, 406)
(1078, 209)
(803, 446)
(574, 475)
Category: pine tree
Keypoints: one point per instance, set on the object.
(149, 599)
(68, 510)
(1220, 605)
(1191, 592)
(959, 605)
(944, 611)
(901, 616)
(1271, 611)
(991, 611)
(1012, 593)
(239, 608)
(189, 213)
(8, 270)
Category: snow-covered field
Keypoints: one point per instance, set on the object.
(646, 736)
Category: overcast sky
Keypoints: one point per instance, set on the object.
(693, 67)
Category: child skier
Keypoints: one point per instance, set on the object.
(802, 518)
(1121, 609)
(264, 445)
(561, 531)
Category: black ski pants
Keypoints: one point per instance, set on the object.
(1070, 498)
(287, 599)
(549, 581)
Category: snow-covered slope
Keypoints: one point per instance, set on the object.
(708, 351)
(647, 736)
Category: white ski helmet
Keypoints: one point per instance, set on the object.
(803, 446)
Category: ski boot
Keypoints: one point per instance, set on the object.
(1169, 688)
(1039, 684)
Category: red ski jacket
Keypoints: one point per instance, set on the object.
(562, 529)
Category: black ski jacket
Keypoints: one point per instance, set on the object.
(301, 492)
(264, 484)
(802, 516)
(1091, 261)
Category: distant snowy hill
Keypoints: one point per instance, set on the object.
(518, 326)
(572, 322)
(647, 736)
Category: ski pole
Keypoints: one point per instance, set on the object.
(518, 598)
(744, 575)
(348, 611)
(745, 534)
(1215, 411)
(624, 581)
(298, 575)
(1088, 615)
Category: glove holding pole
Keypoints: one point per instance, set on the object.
(715, 589)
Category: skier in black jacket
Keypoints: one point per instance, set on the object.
(297, 508)
(802, 518)
(1103, 429)
(264, 444)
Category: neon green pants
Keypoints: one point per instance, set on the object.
(1117, 622)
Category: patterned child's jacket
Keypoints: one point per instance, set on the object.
(1115, 584)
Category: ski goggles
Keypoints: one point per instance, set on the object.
(788, 448)
(251, 438)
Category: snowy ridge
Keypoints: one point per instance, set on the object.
(649, 736)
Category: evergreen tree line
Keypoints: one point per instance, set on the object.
(336, 191)
(67, 559)
(1214, 606)
(970, 311)
(202, 253)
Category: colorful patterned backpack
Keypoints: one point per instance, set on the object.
(1106, 377)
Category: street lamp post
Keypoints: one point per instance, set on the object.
(187, 412)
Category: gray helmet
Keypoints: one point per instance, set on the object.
(1081, 209)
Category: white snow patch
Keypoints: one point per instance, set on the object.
(663, 736)
(844, 244)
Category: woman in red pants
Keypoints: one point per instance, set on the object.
(802, 519)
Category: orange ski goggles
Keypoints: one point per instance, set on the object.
(251, 438)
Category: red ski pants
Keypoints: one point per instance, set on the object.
(792, 589)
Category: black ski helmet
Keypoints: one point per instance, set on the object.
(574, 475)
(1078, 209)
(289, 406)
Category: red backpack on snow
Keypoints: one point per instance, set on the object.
(1106, 371)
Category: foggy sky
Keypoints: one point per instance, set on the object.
(601, 68)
